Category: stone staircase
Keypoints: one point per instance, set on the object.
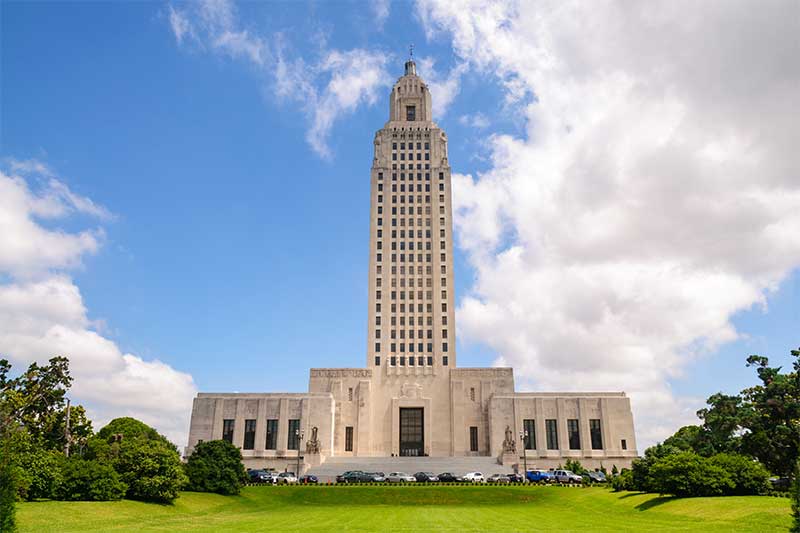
(410, 465)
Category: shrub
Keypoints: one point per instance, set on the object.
(216, 466)
(575, 467)
(8, 494)
(795, 528)
(749, 476)
(145, 460)
(688, 474)
(83, 480)
(622, 481)
(40, 473)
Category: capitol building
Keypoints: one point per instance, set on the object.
(411, 399)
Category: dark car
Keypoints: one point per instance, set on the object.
(780, 483)
(595, 477)
(259, 476)
(515, 478)
(426, 477)
(447, 477)
(349, 477)
(308, 478)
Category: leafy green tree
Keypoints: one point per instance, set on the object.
(40, 472)
(795, 528)
(641, 478)
(772, 419)
(689, 474)
(26, 401)
(749, 476)
(574, 466)
(622, 481)
(216, 466)
(722, 421)
(146, 461)
(686, 439)
(84, 480)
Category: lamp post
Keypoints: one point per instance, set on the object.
(299, 434)
(523, 436)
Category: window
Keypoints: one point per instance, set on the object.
(227, 430)
(624, 444)
(529, 426)
(272, 433)
(377, 357)
(293, 442)
(552, 434)
(348, 439)
(444, 361)
(393, 361)
(350, 394)
(411, 113)
(574, 434)
(249, 434)
(473, 438)
(472, 393)
(594, 431)
(377, 347)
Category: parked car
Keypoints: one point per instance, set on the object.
(498, 478)
(426, 477)
(540, 476)
(594, 477)
(400, 477)
(351, 476)
(474, 477)
(375, 477)
(566, 476)
(780, 483)
(259, 476)
(308, 479)
(286, 478)
(447, 477)
(515, 478)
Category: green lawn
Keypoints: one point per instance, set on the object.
(384, 508)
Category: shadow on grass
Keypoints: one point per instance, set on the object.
(655, 502)
(632, 494)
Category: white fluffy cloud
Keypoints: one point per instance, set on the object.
(327, 88)
(42, 313)
(655, 192)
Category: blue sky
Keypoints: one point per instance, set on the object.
(237, 251)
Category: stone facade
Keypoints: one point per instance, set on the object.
(411, 398)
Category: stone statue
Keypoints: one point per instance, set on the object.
(509, 444)
(312, 444)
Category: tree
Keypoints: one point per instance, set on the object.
(722, 421)
(575, 467)
(795, 528)
(772, 417)
(749, 476)
(26, 401)
(145, 460)
(689, 474)
(686, 439)
(84, 480)
(216, 466)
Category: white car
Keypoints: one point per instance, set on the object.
(400, 477)
(566, 476)
(474, 477)
(286, 478)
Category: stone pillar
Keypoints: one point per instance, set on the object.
(238, 425)
(583, 428)
(362, 444)
(541, 432)
(283, 426)
(561, 426)
(605, 429)
(261, 426)
(219, 415)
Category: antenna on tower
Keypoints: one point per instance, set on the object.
(411, 51)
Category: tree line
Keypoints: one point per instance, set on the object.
(49, 450)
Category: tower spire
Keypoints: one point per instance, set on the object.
(411, 67)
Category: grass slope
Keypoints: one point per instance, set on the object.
(446, 508)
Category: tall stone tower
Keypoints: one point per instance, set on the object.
(411, 317)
